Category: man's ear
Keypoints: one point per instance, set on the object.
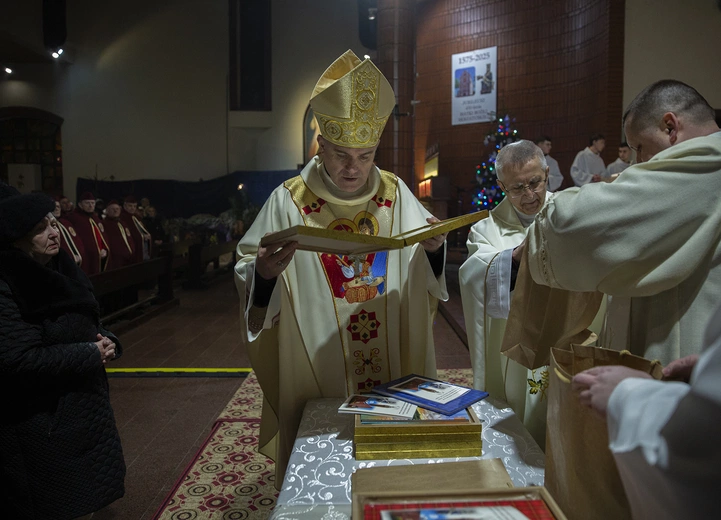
(321, 144)
(671, 127)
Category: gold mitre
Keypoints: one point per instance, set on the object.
(352, 101)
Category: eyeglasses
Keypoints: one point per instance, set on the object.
(534, 187)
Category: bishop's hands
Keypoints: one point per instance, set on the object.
(433, 244)
(595, 386)
(274, 258)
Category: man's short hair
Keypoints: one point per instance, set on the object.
(517, 155)
(667, 95)
(624, 145)
(542, 139)
(594, 138)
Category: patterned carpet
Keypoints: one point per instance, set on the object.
(228, 479)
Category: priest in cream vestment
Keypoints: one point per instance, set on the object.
(651, 238)
(329, 325)
(487, 278)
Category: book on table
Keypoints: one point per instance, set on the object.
(431, 394)
(378, 405)
(322, 240)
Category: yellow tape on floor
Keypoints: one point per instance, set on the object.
(174, 370)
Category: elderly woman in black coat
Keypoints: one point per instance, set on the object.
(60, 454)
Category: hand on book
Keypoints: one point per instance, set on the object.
(274, 258)
(433, 244)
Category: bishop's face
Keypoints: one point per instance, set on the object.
(348, 168)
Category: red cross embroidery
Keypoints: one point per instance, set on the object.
(367, 385)
(363, 326)
(314, 207)
(381, 201)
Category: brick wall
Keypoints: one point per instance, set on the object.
(560, 72)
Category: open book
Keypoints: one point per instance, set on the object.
(323, 240)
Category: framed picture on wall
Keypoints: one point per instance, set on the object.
(311, 130)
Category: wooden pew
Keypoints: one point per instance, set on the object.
(130, 277)
(200, 256)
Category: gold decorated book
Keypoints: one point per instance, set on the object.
(321, 240)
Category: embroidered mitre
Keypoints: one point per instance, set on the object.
(352, 101)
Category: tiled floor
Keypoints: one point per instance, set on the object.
(163, 421)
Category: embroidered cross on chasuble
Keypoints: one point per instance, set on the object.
(357, 283)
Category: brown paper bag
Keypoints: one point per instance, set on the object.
(542, 318)
(580, 470)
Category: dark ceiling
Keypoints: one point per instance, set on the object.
(13, 52)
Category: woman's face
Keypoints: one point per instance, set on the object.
(43, 242)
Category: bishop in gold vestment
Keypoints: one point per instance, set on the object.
(328, 325)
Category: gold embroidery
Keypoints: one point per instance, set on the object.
(540, 385)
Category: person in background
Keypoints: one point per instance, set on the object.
(622, 162)
(142, 241)
(70, 241)
(118, 236)
(60, 452)
(89, 228)
(555, 177)
(65, 205)
(154, 224)
(588, 165)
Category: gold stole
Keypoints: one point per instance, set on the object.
(143, 233)
(357, 284)
(69, 240)
(124, 235)
(98, 233)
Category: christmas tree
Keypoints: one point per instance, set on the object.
(489, 194)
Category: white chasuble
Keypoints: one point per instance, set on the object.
(337, 324)
(651, 239)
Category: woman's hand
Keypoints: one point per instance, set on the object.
(106, 347)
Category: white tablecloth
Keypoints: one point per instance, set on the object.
(317, 482)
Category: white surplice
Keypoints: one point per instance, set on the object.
(336, 325)
(665, 439)
(485, 282)
(555, 177)
(616, 166)
(586, 164)
(651, 239)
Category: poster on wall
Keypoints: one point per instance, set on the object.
(473, 92)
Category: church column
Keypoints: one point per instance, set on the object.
(396, 59)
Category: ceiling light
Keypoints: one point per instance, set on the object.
(60, 51)
(55, 55)
(8, 70)
(366, 57)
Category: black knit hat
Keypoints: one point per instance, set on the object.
(19, 213)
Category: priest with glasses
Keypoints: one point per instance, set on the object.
(488, 276)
